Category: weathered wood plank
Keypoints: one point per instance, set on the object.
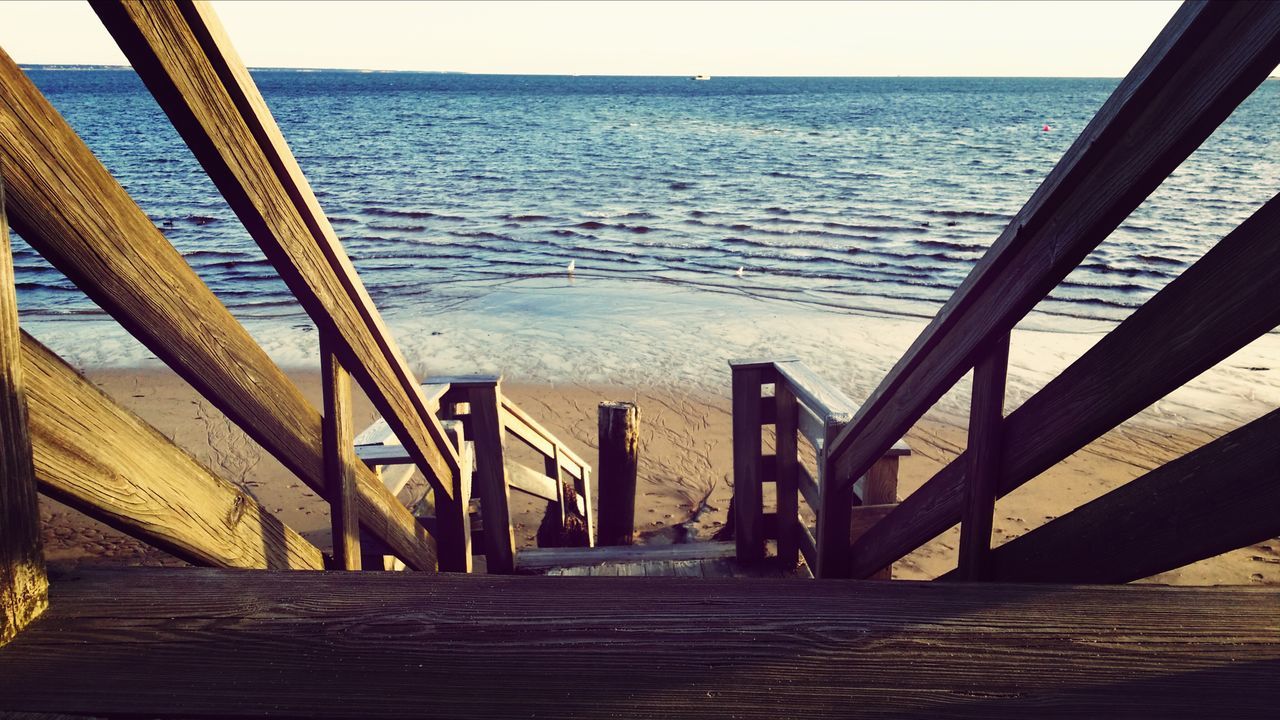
(813, 391)
(379, 431)
(835, 504)
(748, 504)
(1222, 302)
(491, 478)
(986, 413)
(523, 426)
(809, 488)
(808, 547)
(1220, 497)
(1207, 60)
(787, 474)
(103, 460)
(861, 519)
(120, 643)
(539, 559)
(69, 208)
(619, 443)
(183, 55)
(24, 587)
(339, 457)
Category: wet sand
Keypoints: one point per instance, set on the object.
(685, 465)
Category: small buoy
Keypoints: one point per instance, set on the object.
(571, 266)
(740, 271)
(1046, 128)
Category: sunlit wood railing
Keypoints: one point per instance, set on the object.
(484, 416)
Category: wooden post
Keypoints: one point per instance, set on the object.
(619, 442)
(748, 505)
(787, 469)
(24, 588)
(986, 415)
(339, 457)
(880, 491)
(491, 477)
(835, 513)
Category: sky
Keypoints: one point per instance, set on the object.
(1036, 39)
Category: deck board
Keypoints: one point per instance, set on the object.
(202, 642)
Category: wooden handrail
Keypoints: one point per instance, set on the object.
(183, 55)
(1221, 303)
(67, 206)
(1217, 498)
(108, 463)
(1207, 60)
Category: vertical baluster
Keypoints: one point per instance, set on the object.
(986, 415)
(339, 457)
(787, 468)
(491, 478)
(748, 504)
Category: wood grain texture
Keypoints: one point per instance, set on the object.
(24, 588)
(541, 559)
(69, 208)
(835, 504)
(787, 473)
(1224, 301)
(491, 478)
(522, 425)
(618, 434)
(748, 505)
(183, 55)
(339, 457)
(108, 463)
(196, 642)
(1220, 497)
(986, 413)
(1207, 60)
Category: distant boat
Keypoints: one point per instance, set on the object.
(701, 77)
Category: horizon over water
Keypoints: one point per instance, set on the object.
(462, 198)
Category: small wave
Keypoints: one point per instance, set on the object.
(415, 214)
(201, 219)
(682, 186)
(525, 218)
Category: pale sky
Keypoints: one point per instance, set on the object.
(637, 38)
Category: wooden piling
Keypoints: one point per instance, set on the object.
(339, 457)
(619, 459)
(24, 588)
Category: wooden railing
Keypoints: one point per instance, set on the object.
(476, 409)
(1207, 60)
(111, 465)
(802, 405)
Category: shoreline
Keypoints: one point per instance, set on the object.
(685, 461)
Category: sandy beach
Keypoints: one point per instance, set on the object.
(685, 460)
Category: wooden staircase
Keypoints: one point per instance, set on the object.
(251, 632)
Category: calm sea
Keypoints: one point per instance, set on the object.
(850, 194)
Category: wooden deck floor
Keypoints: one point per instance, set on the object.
(200, 643)
(710, 568)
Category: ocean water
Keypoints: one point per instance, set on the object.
(462, 198)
